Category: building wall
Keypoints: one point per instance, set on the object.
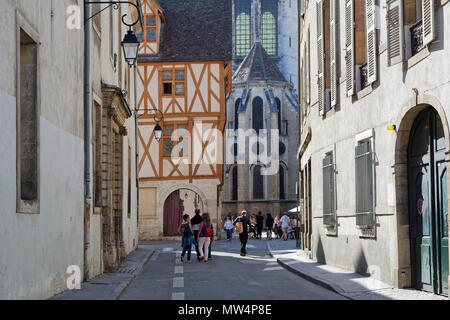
(271, 202)
(390, 100)
(37, 248)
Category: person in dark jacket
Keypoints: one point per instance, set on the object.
(243, 236)
(195, 222)
(259, 225)
(269, 225)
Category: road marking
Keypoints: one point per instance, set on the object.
(178, 269)
(167, 249)
(178, 282)
(155, 256)
(177, 260)
(178, 296)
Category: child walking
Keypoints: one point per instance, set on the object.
(187, 238)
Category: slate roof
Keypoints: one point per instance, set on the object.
(258, 66)
(194, 30)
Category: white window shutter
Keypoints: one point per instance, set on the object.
(371, 42)
(395, 31)
(333, 59)
(428, 17)
(320, 57)
(349, 51)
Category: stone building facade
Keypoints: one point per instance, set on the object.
(258, 166)
(275, 22)
(374, 144)
(184, 69)
(42, 163)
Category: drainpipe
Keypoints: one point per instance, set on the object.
(136, 144)
(87, 135)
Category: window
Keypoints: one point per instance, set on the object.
(328, 187)
(169, 145)
(27, 125)
(282, 183)
(278, 102)
(258, 183)
(173, 82)
(364, 184)
(242, 27)
(418, 16)
(257, 114)
(150, 29)
(360, 45)
(326, 54)
(236, 113)
(234, 174)
(269, 32)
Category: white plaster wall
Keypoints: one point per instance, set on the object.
(376, 111)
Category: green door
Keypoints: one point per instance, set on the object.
(428, 210)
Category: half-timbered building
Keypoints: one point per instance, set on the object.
(184, 72)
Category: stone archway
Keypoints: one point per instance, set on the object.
(409, 112)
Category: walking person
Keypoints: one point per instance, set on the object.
(205, 232)
(228, 226)
(259, 225)
(269, 225)
(242, 224)
(284, 220)
(187, 238)
(195, 222)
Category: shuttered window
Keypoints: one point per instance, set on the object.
(371, 42)
(320, 57)
(395, 32)
(329, 207)
(364, 184)
(428, 17)
(349, 48)
(333, 58)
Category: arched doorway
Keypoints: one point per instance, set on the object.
(428, 209)
(177, 204)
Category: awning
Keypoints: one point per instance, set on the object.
(295, 210)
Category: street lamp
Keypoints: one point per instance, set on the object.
(130, 45)
(158, 132)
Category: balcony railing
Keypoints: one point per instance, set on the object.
(416, 38)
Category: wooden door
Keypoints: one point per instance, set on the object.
(173, 211)
(427, 176)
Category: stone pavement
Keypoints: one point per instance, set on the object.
(110, 286)
(347, 283)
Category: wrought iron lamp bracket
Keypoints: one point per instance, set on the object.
(115, 5)
(155, 117)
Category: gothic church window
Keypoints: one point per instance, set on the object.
(242, 27)
(236, 114)
(269, 29)
(234, 174)
(257, 114)
(282, 185)
(258, 183)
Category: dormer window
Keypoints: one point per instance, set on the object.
(150, 29)
(150, 21)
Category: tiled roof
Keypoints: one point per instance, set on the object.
(194, 30)
(258, 66)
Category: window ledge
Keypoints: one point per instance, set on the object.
(421, 55)
(28, 207)
(364, 92)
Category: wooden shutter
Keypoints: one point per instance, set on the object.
(371, 42)
(320, 57)
(349, 50)
(364, 185)
(333, 59)
(428, 17)
(395, 31)
(328, 190)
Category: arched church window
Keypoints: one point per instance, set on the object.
(243, 34)
(282, 189)
(234, 174)
(236, 114)
(258, 183)
(278, 102)
(257, 114)
(269, 28)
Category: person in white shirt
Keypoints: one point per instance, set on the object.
(285, 226)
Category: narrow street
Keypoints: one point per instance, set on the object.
(227, 276)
